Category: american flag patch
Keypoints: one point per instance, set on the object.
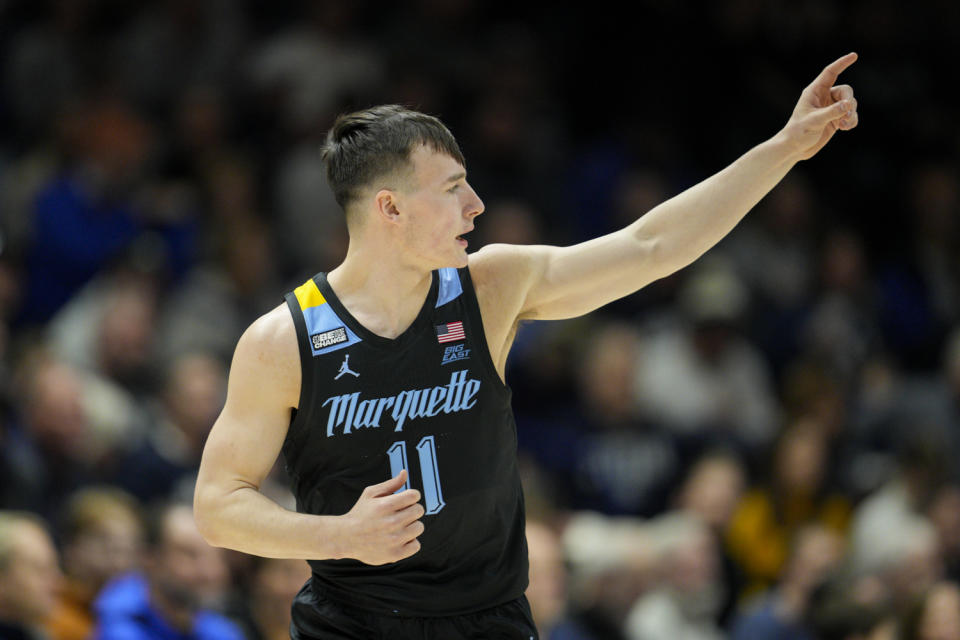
(450, 332)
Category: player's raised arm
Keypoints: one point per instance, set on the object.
(244, 444)
(552, 282)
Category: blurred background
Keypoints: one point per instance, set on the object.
(763, 445)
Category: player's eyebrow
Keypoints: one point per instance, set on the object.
(455, 177)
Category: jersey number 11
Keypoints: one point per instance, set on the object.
(427, 451)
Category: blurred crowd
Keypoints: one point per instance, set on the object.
(760, 446)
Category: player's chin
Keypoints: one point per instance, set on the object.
(461, 260)
(460, 254)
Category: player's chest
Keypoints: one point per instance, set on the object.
(363, 389)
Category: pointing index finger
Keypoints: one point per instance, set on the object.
(829, 75)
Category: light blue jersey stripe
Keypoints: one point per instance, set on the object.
(450, 287)
(322, 319)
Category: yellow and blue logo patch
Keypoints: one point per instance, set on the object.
(326, 331)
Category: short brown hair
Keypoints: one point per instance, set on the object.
(89, 507)
(368, 144)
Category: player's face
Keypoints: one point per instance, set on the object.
(441, 206)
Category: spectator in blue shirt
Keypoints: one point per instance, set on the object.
(169, 600)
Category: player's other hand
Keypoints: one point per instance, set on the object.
(383, 526)
(823, 110)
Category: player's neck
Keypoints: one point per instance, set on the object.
(379, 289)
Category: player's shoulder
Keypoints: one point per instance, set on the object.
(495, 261)
(266, 362)
(274, 327)
(499, 267)
(271, 340)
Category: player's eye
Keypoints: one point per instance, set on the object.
(453, 188)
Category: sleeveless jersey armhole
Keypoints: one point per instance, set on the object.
(306, 357)
(476, 319)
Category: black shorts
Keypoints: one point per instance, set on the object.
(316, 617)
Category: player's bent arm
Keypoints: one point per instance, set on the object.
(242, 447)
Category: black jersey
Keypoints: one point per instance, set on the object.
(429, 401)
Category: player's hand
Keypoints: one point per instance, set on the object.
(823, 110)
(383, 526)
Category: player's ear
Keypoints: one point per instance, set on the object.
(386, 201)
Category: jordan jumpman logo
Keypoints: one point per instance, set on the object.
(345, 368)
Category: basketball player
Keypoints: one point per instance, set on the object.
(382, 381)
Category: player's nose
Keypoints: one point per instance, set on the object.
(475, 205)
